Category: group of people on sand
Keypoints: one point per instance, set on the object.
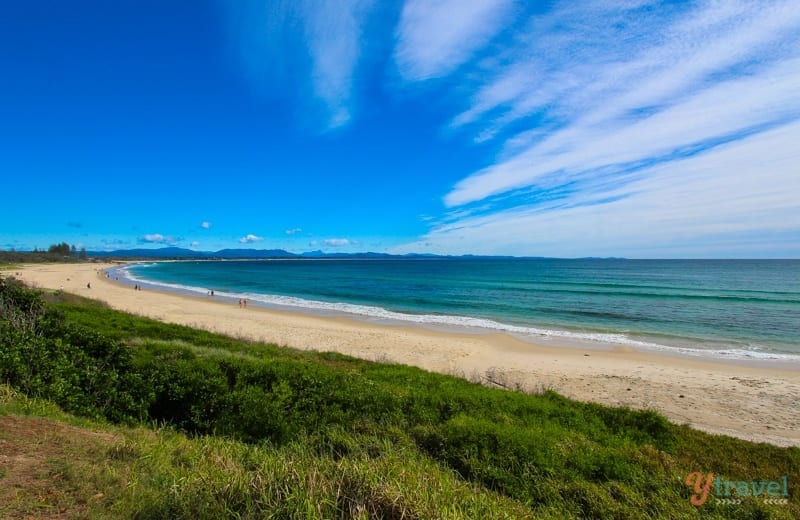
(137, 287)
(242, 302)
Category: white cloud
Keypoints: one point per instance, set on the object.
(250, 238)
(719, 112)
(436, 36)
(195, 243)
(293, 231)
(337, 242)
(333, 31)
(596, 110)
(736, 200)
(157, 238)
(205, 224)
(274, 37)
(650, 89)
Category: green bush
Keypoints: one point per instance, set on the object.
(83, 372)
(188, 393)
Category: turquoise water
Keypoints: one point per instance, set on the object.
(735, 308)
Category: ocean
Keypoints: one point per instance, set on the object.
(748, 309)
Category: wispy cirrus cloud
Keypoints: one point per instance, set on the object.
(659, 89)
(275, 39)
(599, 109)
(737, 199)
(434, 37)
(333, 32)
(589, 110)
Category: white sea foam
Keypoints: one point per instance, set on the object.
(462, 322)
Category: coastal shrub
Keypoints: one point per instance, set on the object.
(106, 376)
(190, 394)
(501, 458)
(255, 414)
(548, 467)
(646, 426)
(83, 372)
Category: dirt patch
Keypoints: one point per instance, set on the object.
(37, 458)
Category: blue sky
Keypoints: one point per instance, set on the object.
(576, 128)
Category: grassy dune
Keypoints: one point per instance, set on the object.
(181, 423)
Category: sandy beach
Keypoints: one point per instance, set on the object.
(752, 402)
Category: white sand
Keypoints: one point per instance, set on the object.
(752, 402)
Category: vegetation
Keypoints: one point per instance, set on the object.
(62, 252)
(217, 427)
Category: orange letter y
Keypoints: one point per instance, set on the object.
(701, 488)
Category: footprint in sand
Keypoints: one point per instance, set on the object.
(753, 383)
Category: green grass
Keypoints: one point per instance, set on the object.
(143, 473)
(255, 430)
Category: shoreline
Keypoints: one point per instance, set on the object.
(465, 324)
(749, 400)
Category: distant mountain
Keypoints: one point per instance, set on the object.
(162, 253)
(178, 253)
(225, 254)
(251, 253)
(356, 255)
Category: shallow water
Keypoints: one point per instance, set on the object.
(732, 308)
